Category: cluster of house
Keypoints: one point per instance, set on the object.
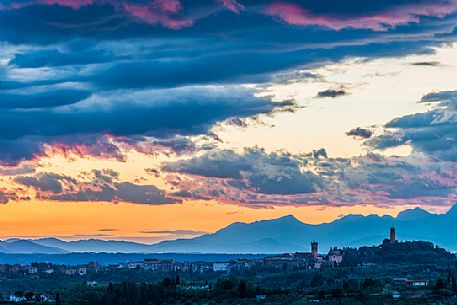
(411, 283)
(169, 265)
(305, 260)
(37, 269)
(21, 297)
(289, 260)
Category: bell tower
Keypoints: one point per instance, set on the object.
(314, 249)
(393, 237)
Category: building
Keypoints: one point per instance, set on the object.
(135, 265)
(160, 265)
(221, 267)
(335, 256)
(32, 270)
(17, 297)
(286, 260)
(393, 237)
(82, 271)
(417, 283)
(315, 249)
(70, 271)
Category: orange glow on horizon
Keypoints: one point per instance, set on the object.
(81, 220)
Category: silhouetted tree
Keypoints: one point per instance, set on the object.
(440, 284)
(58, 302)
(242, 288)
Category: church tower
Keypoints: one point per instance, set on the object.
(393, 237)
(314, 249)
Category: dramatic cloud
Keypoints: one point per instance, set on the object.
(102, 186)
(360, 133)
(253, 170)
(427, 63)
(100, 78)
(378, 15)
(79, 75)
(257, 179)
(47, 182)
(331, 93)
(24, 169)
(176, 14)
(432, 133)
(6, 196)
(101, 120)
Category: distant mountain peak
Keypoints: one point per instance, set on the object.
(413, 214)
(289, 217)
(453, 210)
(350, 217)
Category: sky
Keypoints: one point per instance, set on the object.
(148, 120)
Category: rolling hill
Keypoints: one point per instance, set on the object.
(285, 234)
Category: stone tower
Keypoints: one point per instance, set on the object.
(314, 249)
(393, 237)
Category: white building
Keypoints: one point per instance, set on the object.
(82, 271)
(135, 265)
(220, 267)
(335, 256)
(32, 270)
(17, 298)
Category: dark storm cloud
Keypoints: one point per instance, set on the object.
(331, 93)
(7, 196)
(86, 75)
(55, 58)
(115, 18)
(312, 179)
(433, 133)
(427, 63)
(3, 198)
(42, 99)
(17, 170)
(14, 151)
(398, 178)
(103, 186)
(274, 173)
(46, 182)
(360, 133)
(223, 164)
(159, 113)
(118, 192)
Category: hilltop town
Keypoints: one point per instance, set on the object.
(391, 270)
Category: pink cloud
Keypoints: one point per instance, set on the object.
(74, 4)
(171, 6)
(172, 14)
(233, 5)
(161, 12)
(296, 15)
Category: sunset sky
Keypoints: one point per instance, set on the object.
(148, 120)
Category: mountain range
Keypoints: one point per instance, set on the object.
(285, 234)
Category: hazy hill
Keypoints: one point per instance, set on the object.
(285, 234)
(25, 246)
(94, 245)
